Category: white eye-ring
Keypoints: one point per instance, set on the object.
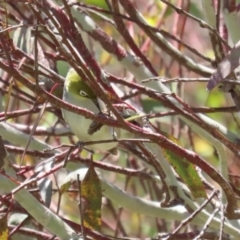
(83, 94)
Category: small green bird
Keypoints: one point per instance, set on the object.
(79, 93)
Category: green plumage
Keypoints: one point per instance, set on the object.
(75, 85)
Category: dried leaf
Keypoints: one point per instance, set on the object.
(92, 194)
(228, 64)
(4, 233)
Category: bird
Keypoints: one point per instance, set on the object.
(77, 92)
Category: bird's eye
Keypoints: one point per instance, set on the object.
(83, 94)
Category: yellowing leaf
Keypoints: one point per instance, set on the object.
(4, 228)
(65, 186)
(185, 170)
(91, 193)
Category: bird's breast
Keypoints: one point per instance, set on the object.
(80, 125)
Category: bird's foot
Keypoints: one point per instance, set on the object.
(81, 146)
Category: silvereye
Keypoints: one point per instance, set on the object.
(78, 93)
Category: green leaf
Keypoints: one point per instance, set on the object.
(150, 105)
(195, 11)
(91, 192)
(101, 4)
(185, 170)
(97, 3)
